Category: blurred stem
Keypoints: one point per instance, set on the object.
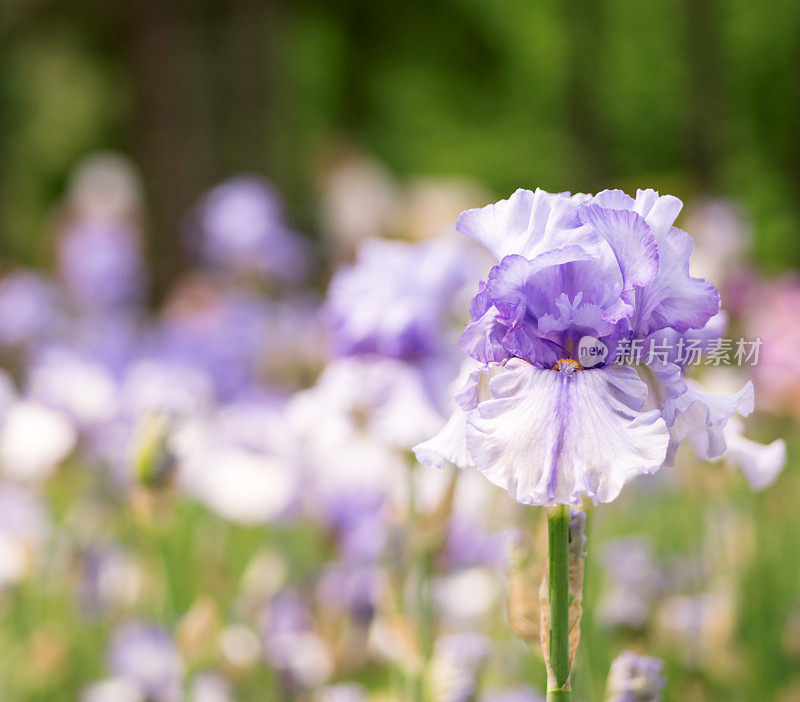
(417, 563)
(558, 583)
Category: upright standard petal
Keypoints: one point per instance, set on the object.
(673, 298)
(527, 223)
(630, 239)
(549, 437)
(659, 211)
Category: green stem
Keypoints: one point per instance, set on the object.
(558, 578)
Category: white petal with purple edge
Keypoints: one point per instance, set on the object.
(700, 418)
(549, 437)
(760, 463)
(450, 444)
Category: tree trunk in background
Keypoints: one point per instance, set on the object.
(251, 73)
(705, 91)
(204, 76)
(160, 145)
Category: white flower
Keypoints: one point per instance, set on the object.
(34, 439)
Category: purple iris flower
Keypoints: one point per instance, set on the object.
(221, 333)
(396, 300)
(540, 417)
(29, 309)
(356, 590)
(291, 645)
(470, 544)
(635, 678)
(240, 227)
(356, 519)
(101, 265)
(633, 583)
(147, 657)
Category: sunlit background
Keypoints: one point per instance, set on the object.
(230, 297)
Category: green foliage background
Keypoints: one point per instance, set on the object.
(689, 96)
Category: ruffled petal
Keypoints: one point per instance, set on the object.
(614, 200)
(700, 418)
(659, 212)
(760, 463)
(675, 299)
(515, 286)
(518, 290)
(483, 338)
(630, 239)
(664, 381)
(684, 348)
(450, 444)
(548, 437)
(527, 223)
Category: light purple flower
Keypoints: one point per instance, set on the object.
(397, 299)
(354, 426)
(355, 517)
(760, 464)
(633, 582)
(538, 417)
(114, 341)
(240, 227)
(356, 590)
(29, 308)
(635, 678)
(470, 544)
(82, 389)
(239, 339)
(290, 643)
(148, 658)
(100, 264)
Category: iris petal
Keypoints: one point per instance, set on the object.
(675, 299)
(700, 418)
(527, 223)
(760, 463)
(547, 437)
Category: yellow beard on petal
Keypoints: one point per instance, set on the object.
(567, 365)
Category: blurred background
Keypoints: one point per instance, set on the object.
(202, 494)
(689, 97)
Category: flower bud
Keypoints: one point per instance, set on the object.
(152, 461)
(524, 572)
